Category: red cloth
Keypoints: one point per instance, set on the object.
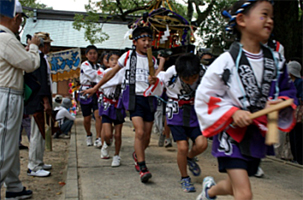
(238, 133)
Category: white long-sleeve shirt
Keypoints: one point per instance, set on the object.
(14, 60)
(63, 114)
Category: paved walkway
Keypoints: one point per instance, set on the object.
(91, 178)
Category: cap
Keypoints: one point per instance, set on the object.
(44, 35)
(294, 68)
(7, 8)
(58, 98)
(66, 103)
(19, 9)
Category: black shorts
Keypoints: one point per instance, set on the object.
(182, 133)
(87, 108)
(236, 163)
(106, 119)
(142, 109)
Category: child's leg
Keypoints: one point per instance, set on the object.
(108, 134)
(118, 141)
(87, 124)
(98, 124)
(237, 184)
(199, 146)
(142, 136)
(182, 157)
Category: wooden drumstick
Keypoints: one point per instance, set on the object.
(272, 108)
(150, 62)
(272, 113)
(272, 135)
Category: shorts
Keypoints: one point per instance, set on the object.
(106, 119)
(250, 166)
(87, 108)
(182, 133)
(142, 109)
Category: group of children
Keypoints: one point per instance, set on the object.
(216, 101)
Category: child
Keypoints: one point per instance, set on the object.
(136, 82)
(244, 80)
(181, 82)
(88, 77)
(111, 113)
(103, 60)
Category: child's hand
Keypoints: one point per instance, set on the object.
(152, 80)
(242, 118)
(90, 92)
(273, 102)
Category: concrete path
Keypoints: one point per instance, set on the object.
(91, 178)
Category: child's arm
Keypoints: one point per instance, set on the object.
(105, 78)
(241, 118)
(161, 64)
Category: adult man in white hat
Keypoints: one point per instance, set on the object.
(14, 60)
(36, 107)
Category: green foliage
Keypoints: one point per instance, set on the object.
(33, 4)
(212, 29)
(91, 22)
(93, 29)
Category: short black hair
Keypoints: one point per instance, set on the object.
(89, 47)
(104, 53)
(142, 29)
(188, 65)
(112, 53)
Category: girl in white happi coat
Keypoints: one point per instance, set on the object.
(88, 78)
(112, 111)
(181, 82)
(244, 80)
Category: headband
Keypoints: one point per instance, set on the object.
(232, 18)
(143, 36)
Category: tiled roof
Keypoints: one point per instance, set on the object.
(64, 35)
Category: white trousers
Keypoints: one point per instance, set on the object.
(36, 148)
(11, 112)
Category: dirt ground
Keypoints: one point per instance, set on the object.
(48, 188)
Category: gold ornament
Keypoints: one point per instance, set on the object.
(192, 39)
(130, 36)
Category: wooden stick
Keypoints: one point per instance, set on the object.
(272, 135)
(48, 134)
(272, 108)
(150, 62)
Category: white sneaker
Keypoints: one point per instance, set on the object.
(98, 143)
(39, 173)
(47, 167)
(208, 182)
(116, 161)
(89, 140)
(259, 173)
(104, 151)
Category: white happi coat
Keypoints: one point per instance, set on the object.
(177, 96)
(215, 102)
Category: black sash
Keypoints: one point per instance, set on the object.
(132, 81)
(189, 94)
(257, 96)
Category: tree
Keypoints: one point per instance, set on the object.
(129, 10)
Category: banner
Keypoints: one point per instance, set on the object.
(65, 64)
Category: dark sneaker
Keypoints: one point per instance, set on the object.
(144, 176)
(187, 186)
(21, 147)
(193, 167)
(24, 194)
(136, 162)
